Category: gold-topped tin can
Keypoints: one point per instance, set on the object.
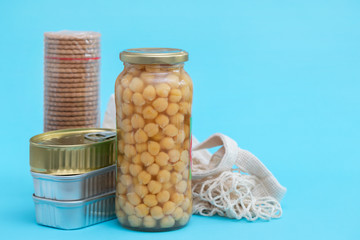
(72, 151)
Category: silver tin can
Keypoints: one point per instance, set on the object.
(75, 214)
(75, 187)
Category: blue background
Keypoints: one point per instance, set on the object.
(282, 78)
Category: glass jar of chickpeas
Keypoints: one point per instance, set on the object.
(153, 115)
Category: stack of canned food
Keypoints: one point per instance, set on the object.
(74, 177)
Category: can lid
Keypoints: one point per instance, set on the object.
(154, 56)
(72, 151)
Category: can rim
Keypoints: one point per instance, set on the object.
(73, 203)
(35, 139)
(71, 178)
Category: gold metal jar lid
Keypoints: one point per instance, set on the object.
(154, 56)
(72, 151)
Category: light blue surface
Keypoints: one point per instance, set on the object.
(282, 78)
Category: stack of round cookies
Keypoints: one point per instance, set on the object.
(72, 80)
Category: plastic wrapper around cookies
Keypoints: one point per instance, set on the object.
(71, 80)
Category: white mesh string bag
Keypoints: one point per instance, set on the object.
(247, 191)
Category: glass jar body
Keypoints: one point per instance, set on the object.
(153, 117)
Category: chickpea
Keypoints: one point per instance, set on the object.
(121, 216)
(141, 210)
(149, 222)
(162, 90)
(162, 159)
(163, 176)
(135, 169)
(160, 104)
(186, 204)
(150, 200)
(119, 114)
(136, 159)
(147, 159)
(152, 69)
(175, 177)
(129, 209)
(134, 71)
(153, 148)
(181, 186)
(126, 180)
(162, 120)
(178, 213)
(177, 119)
(126, 125)
(175, 95)
(129, 150)
(156, 212)
(147, 77)
(153, 169)
(169, 207)
(120, 188)
(186, 93)
(158, 136)
(138, 99)
(149, 93)
(179, 138)
(173, 80)
(127, 109)
(172, 109)
(118, 87)
(179, 166)
(134, 221)
(174, 155)
(141, 147)
(125, 81)
(170, 130)
(127, 95)
(133, 198)
(167, 186)
(120, 213)
(140, 136)
(138, 109)
(137, 121)
(185, 157)
(121, 200)
(144, 177)
(129, 138)
(185, 174)
(167, 143)
(163, 196)
(177, 198)
(121, 146)
(149, 112)
(135, 181)
(167, 222)
(184, 219)
(141, 190)
(154, 187)
(136, 85)
(124, 167)
(184, 107)
(168, 167)
(151, 129)
(120, 158)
